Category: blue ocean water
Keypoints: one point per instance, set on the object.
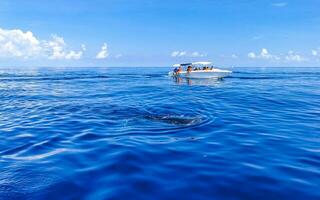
(135, 133)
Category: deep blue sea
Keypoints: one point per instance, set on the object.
(135, 133)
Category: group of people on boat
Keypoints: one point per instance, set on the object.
(177, 70)
(203, 68)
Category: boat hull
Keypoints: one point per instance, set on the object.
(202, 74)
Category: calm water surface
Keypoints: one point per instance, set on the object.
(134, 133)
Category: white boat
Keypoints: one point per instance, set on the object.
(199, 70)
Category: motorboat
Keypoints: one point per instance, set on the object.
(198, 70)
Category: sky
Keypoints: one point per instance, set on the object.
(159, 32)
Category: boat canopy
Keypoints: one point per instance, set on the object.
(192, 64)
(183, 64)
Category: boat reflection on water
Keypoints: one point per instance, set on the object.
(197, 82)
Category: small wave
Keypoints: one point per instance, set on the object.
(35, 157)
(261, 77)
(22, 79)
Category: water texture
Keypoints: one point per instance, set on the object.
(135, 133)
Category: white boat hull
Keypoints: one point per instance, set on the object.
(215, 73)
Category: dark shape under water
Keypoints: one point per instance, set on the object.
(169, 118)
(172, 119)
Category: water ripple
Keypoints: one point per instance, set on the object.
(135, 133)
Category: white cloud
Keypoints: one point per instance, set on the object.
(18, 44)
(314, 52)
(264, 54)
(197, 55)
(292, 56)
(76, 55)
(194, 54)
(234, 56)
(178, 53)
(83, 47)
(57, 49)
(103, 53)
(252, 55)
(175, 54)
(280, 4)
(183, 53)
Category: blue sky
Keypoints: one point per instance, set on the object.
(159, 32)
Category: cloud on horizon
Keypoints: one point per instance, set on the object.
(264, 54)
(103, 53)
(291, 56)
(18, 44)
(57, 49)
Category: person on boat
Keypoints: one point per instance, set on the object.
(175, 71)
(189, 69)
(211, 68)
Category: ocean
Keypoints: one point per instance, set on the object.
(135, 133)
